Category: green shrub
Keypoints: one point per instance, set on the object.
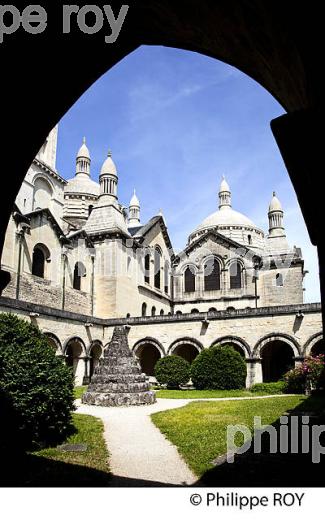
(295, 381)
(269, 388)
(309, 375)
(219, 368)
(172, 371)
(36, 387)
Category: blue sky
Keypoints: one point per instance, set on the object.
(176, 121)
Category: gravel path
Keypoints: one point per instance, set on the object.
(139, 452)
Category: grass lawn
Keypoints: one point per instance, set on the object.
(205, 394)
(79, 391)
(53, 467)
(199, 428)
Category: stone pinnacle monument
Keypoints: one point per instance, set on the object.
(117, 380)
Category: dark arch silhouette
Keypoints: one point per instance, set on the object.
(277, 359)
(187, 348)
(148, 351)
(259, 38)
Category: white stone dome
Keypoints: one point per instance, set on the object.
(83, 185)
(232, 224)
(134, 201)
(225, 217)
(224, 186)
(84, 151)
(109, 167)
(275, 204)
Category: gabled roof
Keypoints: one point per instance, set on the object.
(144, 230)
(51, 219)
(216, 234)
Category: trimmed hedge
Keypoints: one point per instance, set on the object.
(36, 387)
(279, 387)
(220, 367)
(172, 371)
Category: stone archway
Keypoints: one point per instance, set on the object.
(187, 348)
(318, 347)
(148, 351)
(74, 354)
(277, 358)
(95, 353)
(315, 345)
(54, 342)
(237, 343)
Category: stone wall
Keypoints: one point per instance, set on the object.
(250, 329)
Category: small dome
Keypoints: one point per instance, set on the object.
(134, 201)
(83, 150)
(275, 204)
(109, 166)
(224, 186)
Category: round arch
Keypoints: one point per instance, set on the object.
(54, 342)
(75, 353)
(187, 348)
(43, 191)
(77, 340)
(264, 58)
(238, 343)
(313, 342)
(277, 353)
(285, 338)
(148, 351)
(95, 352)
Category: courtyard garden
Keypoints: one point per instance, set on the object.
(45, 443)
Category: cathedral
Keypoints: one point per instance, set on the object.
(81, 262)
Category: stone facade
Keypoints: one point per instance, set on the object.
(80, 264)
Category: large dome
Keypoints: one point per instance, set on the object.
(83, 185)
(230, 223)
(225, 217)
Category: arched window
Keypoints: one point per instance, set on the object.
(249, 238)
(235, 276)
(162, 312)
(279, 280)
(78, 273)
(212, 275)
(153, 311)
(128, 315)
(40, 255)
(144, 309)
(212, 309)
(157, 268)
(179, 313)
(166, 277)
(42, 193)
(195, 311)
(147, 268)
(189, 280)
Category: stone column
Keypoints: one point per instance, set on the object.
(256, 374)
(301, 145)
(298, 360)
(86, 377)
